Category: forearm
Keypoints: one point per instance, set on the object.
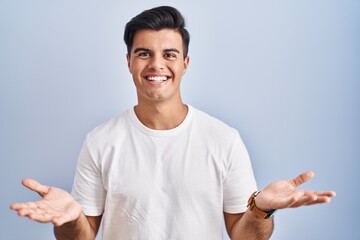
(79, 229)
(251, 227)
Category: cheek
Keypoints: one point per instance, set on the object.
(179, 71)
(134, 70)
(137, 68)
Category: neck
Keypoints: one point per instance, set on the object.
(161, 116)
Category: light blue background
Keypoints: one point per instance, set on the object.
(286, 74)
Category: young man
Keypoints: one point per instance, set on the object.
(163, 169)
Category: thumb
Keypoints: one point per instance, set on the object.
(302, 178)
(35, 186)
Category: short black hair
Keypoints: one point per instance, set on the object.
(158, 18)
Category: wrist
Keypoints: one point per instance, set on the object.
(259, 212)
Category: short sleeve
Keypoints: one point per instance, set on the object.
(239, 182)
(88, 189)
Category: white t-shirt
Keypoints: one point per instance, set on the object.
(163, 184)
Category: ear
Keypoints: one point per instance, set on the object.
(128, 61)
(186, 63)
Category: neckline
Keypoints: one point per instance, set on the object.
(161, 133)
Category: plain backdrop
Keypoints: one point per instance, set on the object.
(286, 74)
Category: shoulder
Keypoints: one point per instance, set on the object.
(213, 127)
(211, 123)
(109, 130)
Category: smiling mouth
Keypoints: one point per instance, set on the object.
(157, 79)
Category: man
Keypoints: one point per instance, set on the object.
(164, 170)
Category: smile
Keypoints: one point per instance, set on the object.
(157, 78)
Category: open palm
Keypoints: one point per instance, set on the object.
(284, 194)
(56, 206)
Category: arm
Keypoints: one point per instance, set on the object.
(277, 195)
(248, 226)
(84, 227)
(58, 207)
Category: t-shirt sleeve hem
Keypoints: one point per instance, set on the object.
(236, 209)
(91, 211)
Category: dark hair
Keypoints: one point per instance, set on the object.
(156, 19)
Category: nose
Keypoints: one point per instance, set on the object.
(156, 62)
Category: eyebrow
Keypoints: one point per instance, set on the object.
(171, 50)
(142, 49)
(148, 50)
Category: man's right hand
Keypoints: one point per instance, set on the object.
(56, 206)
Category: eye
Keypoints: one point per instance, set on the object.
(170, 56)
(144, 54)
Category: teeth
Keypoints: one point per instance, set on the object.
(157, 78)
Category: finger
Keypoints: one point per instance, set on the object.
(304, 177)
(33, 185)
(321, 194)
(304, 200)
(28, 211)
(25, 212)
(312, 197)
(29, 208)
(18, 206)
(40, 216)
(320, 200)
(327, 194)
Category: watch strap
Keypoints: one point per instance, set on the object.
(260, 213)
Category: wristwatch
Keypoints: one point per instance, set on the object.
(260, 213)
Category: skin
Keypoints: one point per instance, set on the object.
(277, 195)
(160, 54)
